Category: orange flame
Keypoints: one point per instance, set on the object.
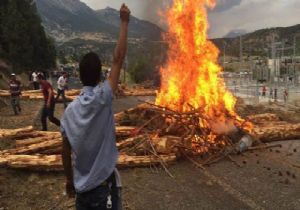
(191, 76)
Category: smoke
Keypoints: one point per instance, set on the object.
(220, 128)
(154, 11)
(223, 5)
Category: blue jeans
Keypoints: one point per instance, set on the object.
(96, 199)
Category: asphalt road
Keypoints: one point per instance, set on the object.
(267, 179)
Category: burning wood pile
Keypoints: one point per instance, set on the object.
(146, 135)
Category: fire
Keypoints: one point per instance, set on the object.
(191, 77)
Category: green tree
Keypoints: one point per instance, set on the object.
(141, 69)
(23, 41)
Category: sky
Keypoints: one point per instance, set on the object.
(229, 15)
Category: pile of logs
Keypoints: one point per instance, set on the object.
(268, 127)
(37, 94)
(124, 90)
(73, 93)
(38, 150)
(151, 140)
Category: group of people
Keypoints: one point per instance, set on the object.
(90, 153)
(39, 82)
(273, 93)
(33, 78)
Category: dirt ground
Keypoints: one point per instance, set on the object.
(268, 179)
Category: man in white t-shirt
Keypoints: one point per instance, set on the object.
(61, 87)
(35, 80)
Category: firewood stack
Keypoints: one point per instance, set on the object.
(37, 94)
(146, 135)
(270, 128)
(73, 93)
(37, 150)
(136, 90)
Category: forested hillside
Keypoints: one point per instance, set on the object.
(23, 41)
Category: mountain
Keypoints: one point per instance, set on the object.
(235, 33)
(68, 19)
(259, 42)
(64, 18)
(137, 27)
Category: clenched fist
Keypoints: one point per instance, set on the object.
(124, 13)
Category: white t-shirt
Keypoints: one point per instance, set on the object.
(34, 77)
(61, 83)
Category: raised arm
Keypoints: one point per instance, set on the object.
(121, 48)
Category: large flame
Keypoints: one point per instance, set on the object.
(191, 77)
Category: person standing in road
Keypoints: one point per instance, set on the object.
(271, 93)
(61, 87)
(35, 80)
(275, 94)
(285, 95)
(15, 93)
(88, 131)
(49, 105)
(264, 90)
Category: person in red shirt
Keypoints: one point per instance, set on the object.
(264, 90)
(15, 92)
(49, 106)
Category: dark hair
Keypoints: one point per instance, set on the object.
(41, 77)
(90, 69)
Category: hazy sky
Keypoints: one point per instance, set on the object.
(227, 16)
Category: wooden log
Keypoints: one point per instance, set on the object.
(32, 91)
(43, 136)
(277, 133)
(37, 97)
(263, 118)
(122, 131)
(54, 162)
(5, 94)
(126, 161)
(39, 162)
(36, 134)
(127, 143)
(26, 142)
(121, 115)
(9, 133)
(53, 151)
(139, 93)
(34, 148)
(73, 92)
(168, 144)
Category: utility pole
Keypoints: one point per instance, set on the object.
(241, 52)
(273, 56)
(224, 54)
(294, 59)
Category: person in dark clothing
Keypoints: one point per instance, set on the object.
(275, 94)
(49, 106)
(15, 92)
